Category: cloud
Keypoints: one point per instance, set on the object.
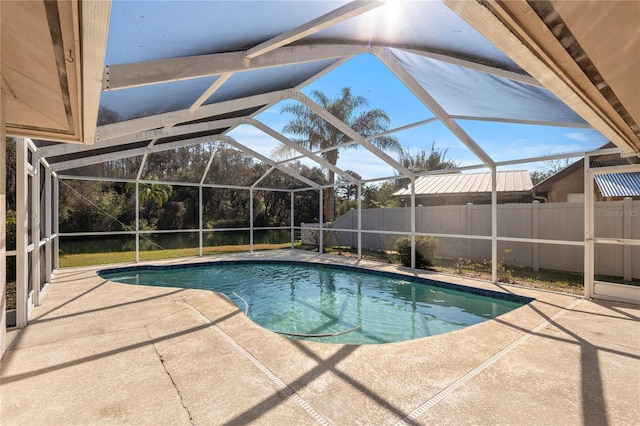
(578, 136)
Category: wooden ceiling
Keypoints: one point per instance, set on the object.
(52, 60)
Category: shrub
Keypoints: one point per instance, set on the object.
(426, 248)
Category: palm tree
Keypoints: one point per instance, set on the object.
(423, 162)
(155, 193)
(313, 132)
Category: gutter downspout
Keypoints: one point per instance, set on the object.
(539, 197)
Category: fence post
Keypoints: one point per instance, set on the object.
(626, 234)
(469, 229)
(353, 226)
(535, 249)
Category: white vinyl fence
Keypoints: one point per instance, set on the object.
(552, 221)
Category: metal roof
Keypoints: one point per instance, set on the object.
(468, 183)
(619, 184)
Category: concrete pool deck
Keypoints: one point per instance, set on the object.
(98, 352)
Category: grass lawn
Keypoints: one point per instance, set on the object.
(90, 259)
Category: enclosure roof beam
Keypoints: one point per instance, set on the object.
(487, 69)
(297, 147)
(268, 161)
(63, 149)
(320, 151)
(210, 91)
(209, 163)
(385, 133)
(520, 121)
(605, 151)
(394, 65)
(135, 74)
(327, 20)
(128, 153)
(261, 178)
(130, 127)
(338, 124)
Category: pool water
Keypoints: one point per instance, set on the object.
(356, 305)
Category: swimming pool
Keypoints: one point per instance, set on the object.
(332, 303)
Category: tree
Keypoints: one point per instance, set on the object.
(313, 132)
(421, 162)
(549, 168)
(152, 193)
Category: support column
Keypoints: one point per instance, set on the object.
(137, 221)
(320, 223)
(589, 249)
(3, 218)
(22, 229)
(359, 203)
(293, 232)
(494, 225)
(251, 221)
(56, 222)
(200, 208)
(48, 230)
(35, 229)
(413, 222)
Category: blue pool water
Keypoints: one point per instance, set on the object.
(312, 299)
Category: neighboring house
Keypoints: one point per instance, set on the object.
(513, 186)
(567, 185)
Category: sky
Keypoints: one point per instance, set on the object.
(368, 77)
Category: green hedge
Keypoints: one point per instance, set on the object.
(426, 248)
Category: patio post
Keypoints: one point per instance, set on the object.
(251, 220)
(56, 222)
(494, 225)
(293, 235)
(35, 226)
(321, 213)
(22, 228)
(413, 222)
(200, 208)
(589, 246)
(137, 221)
(359, 202)
(3, 223)
(48, 230)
